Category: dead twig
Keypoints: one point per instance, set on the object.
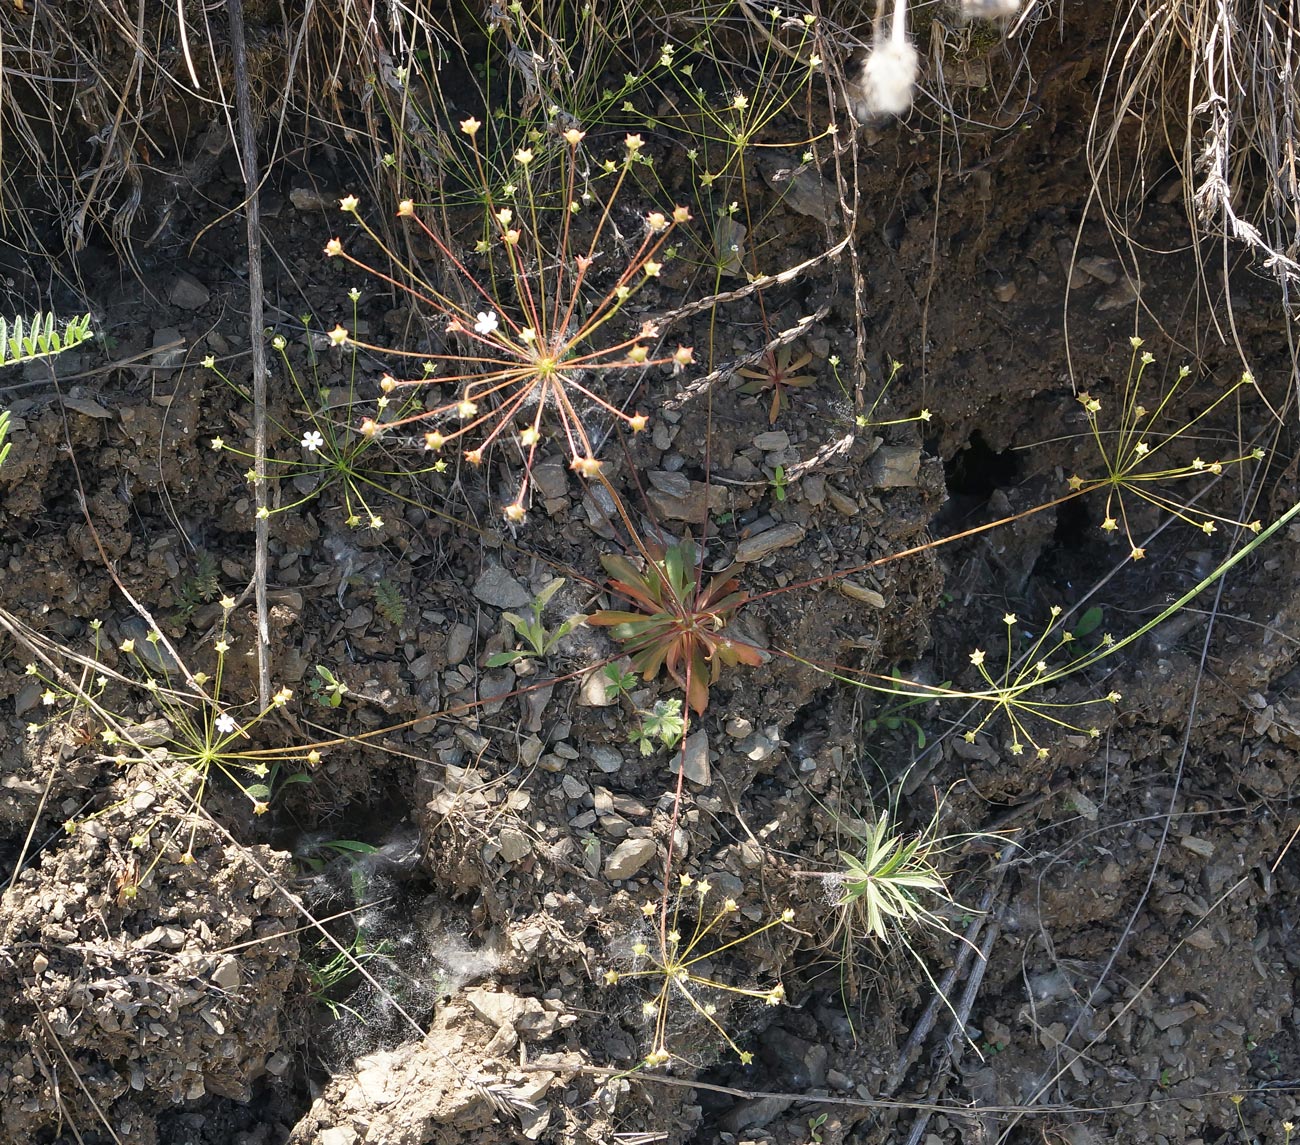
(248, 158)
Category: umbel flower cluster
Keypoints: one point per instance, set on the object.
(532, 345)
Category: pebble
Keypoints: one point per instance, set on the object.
(803, 189)
(188, 292)
(841, 502)
(492, 685)
(814, 489)
(759, 746)
(358, 618)
(738, 727)
(1117, 297)
(226, 976)
(629, 857)
(310, 199)
(594, 691)
(1102, 269)
(513, 844)
(1078, 277)
(615, 826)
(860, 592)
(608, 759)
(28, 697)
(676, 498)
(169, 348)
(763, 544)
(498, 588)
(550, 479)
(693, 759)
(895, 466)
(772, 441)
(152, 652)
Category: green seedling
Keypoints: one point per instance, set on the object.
(891, 718)
(328, 976)
(25, 341)
(617, 682)
(661, 726)
(200, 587)
(389, 603)
(888, 885)
(327, 689)
(334, 849)
(779, 483)
(538, 642)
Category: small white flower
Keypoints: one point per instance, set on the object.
(225, 723)
(486, 323)
(312, 440)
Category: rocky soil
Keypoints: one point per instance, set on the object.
(1129, 894)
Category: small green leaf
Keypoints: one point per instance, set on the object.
(1089, 622)
(352, 845)
(544, 597)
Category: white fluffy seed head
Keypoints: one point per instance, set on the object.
(989, 9)
(885, 81)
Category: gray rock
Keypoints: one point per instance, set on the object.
(693, 759)
(738, 727)
(803, 189)
(628, 858)
(550, 478)
(188, 292)
(458, 639)
(860, 592)
(675, 497)
(498, 588)
(764, 544)
(895, 466)
(1105, 270)
(594, 690)
(772, 441)
(759, 746)
(514, 844)
(841, 502)
(168, 348)
(226, 976)
(608, 759)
